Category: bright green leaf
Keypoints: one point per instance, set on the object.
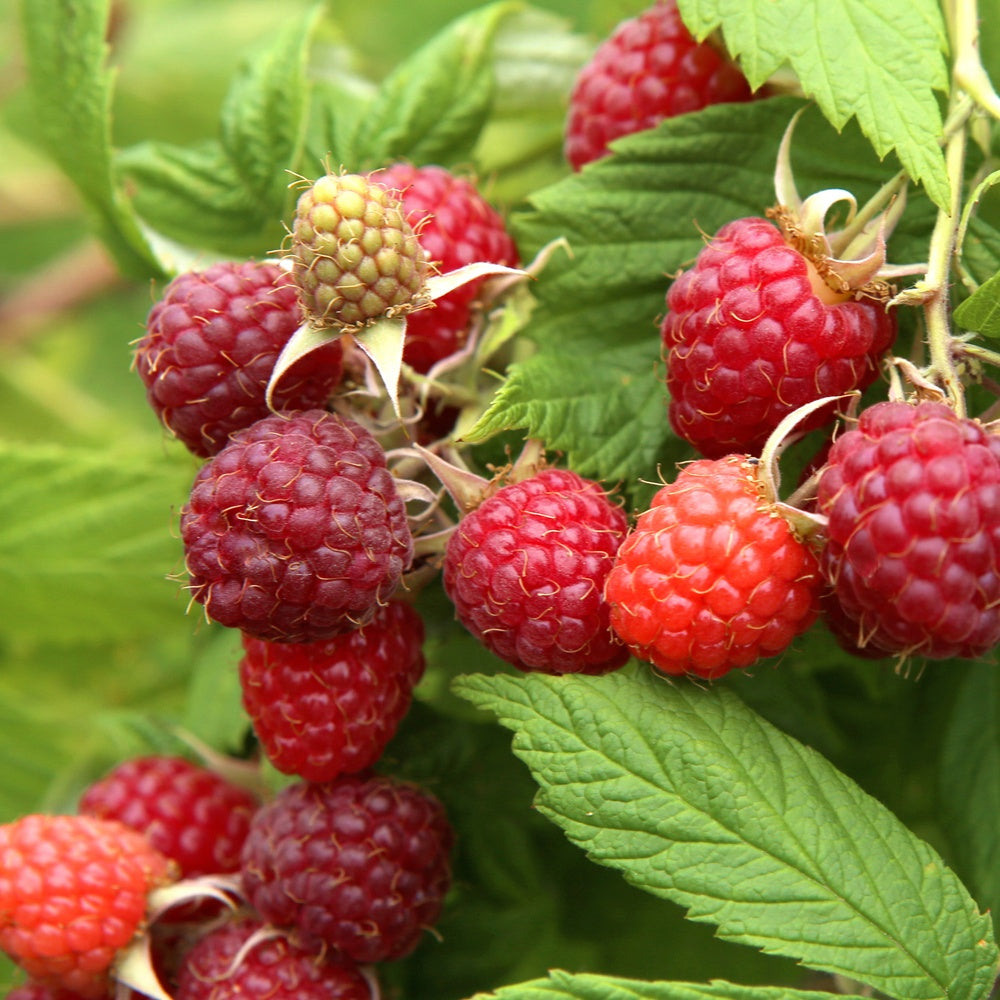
(694, 797)
(970, 781)
(566, 986)
(855, 60)
(432, 107)
(230, 195)
(214, 711)
(981, 310)
(86, 542)
(69, 90)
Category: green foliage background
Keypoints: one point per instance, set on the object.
(99, 659)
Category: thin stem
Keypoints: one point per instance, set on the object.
(942, 248)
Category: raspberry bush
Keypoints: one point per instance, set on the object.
(502, 498)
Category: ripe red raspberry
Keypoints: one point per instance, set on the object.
(322, 709)
(712, 578)
(649, 69)
(210, 346)
(748, 340)
(273, 969)
(912, 494)
(355, 258)
(73, 893)
(456, 226)
(526, 569)
(360, 865)
(295, 532)
(187, 812)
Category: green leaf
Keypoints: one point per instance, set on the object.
(69, 90)
(264, 114)
(86, 542)
(981, 310)
(536, 60)
(631, 220)
(567, 986)
(230, 194)
(214, 711)
(694, 797)
(432, 107)
(609, 416)
(970, 781)
(855, 61)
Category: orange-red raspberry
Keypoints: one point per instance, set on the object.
(912, 495)
(712, 578)
(73, 893)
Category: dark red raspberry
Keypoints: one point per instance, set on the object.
(456, 226)
(360, 865)
(36, 991)
(526, 569)
(712, 577)
(73, 894)
(913, 541)
(218, 968)
(209, 350)
(748, 340)
(649, 69)
(322, 709)
(295, 532)
(185, 811)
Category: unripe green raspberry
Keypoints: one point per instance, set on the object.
(355, 257)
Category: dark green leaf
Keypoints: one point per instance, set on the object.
(631, 220)
(695, 798)
(970, 781)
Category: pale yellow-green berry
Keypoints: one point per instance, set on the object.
(355, 258)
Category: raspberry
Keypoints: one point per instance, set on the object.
(273, 969)
(73, 893)
(210, 346)
(355, 258)
(649, 69)
(36, 991)
(526, 569)
(912, 495)
(322, 709)
(748, 340)
(711, 578)
(456, 226)
(295, 532)
(188, 813)
(360, 865)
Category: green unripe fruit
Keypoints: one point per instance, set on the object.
(355, 258)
